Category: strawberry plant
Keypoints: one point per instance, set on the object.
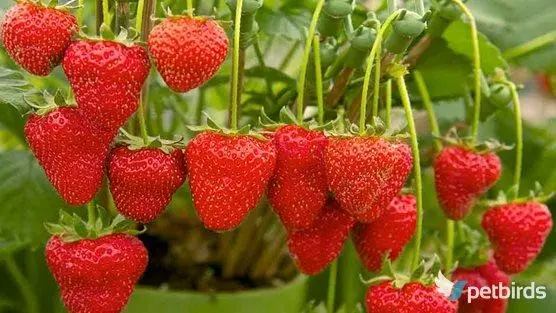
(286, 156)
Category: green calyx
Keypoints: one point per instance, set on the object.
(405, 28)
(124, 37)
(425, 273)
(212, 126)
(54, 4)
(42, 104)
(452, 138)
(287, 117)
(446, 9)
(135, 143)
(71, 228)
(510, 196)
(376, 129)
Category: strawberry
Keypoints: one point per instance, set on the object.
(187, 51)
(143, 181)
(518, 232)
(106, 77)
(487, 275)
(413, 297)
(461, 176)
(388, 234)
(228, 175)
(314, 248)
(71, 151)
(366, 173)
(298, 189)
(36, 36)
(96, 275)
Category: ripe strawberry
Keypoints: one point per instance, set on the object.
(36, 36)
(366, 173)
(413, 297)
(70, 150)
(461, 176)
(188, 51)
(106, 77)
(388, 234)
(227, 175)
(96, 275)
(487, 275)
(298, 189)
(315, 247)
(143, 181)
(518, 232)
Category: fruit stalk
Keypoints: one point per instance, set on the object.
(80, 11)
(400, 81)
(107, 17)
(318, 80)
(305, 61)
(235, 66)
(332, 287)
(91, 211)
(530, 46)
(518, 137)
(190, 8)
(388, 96)
(476, 68)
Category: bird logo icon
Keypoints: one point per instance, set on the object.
(450, 290)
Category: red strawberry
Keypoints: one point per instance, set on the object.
(413, 297)
(188, 51)
(36, 35)
(487, 275)
(388, 234)
(96, 275)
(518, 232)
(315, 247)
(461, 176)
(366, 173)
(298, 189)
(106, 77)
(228, 175)
(143, 181)
(71, 151)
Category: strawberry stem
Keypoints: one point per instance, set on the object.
(318, 79)
(190, 8)
(450, 240)
(91, 212)
(139, 18)
(388, 96)
(476, 69)
(80, 10)
(332, 286)
(107, 16)
(374, 56)
(518, 137)
(427, 103)
(305, 60)
(235, 66)
(530, 46)
(416, 166)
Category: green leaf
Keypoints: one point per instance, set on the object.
(14, 89)
(288, 22)
(512, 23)
(457, 36)
(27, 198)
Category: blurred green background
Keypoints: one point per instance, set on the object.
(27, 200)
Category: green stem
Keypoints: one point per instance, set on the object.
(375, 50)
(376, 89)
(305, 61)
(417, 166)
(427, 103)
(32, 305)
(388, 95)
(530, 46)
(190, 8)
(106, 13)
(80, 11)
(143, 99)
(91, 211)
(476, 69)
(235, 66)
(518, 138)
(332, 286)
(142, 121)
(139, 18)
(450, 239)
(318, 79)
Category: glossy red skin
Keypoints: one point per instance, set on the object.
(227, 176)
(482, 276)
(366, 173)
(388, 234)
(71, 151)
(314, 248)
(517, 232)
(106, 78)
(298, 189)
(462, 176)
(36, 36)
(188, 51)
(96, 275)
(411, 298)
(142, 182)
